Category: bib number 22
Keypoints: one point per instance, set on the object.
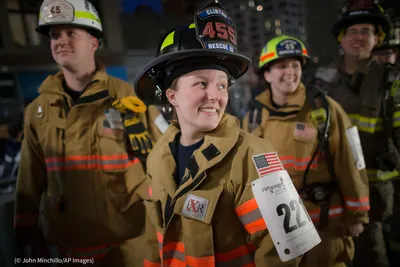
(294, 205)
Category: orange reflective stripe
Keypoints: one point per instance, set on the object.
(305, 51)
(251, 217)
(246, 207)
(86, 162)
(178, 246)
(174, 263)
(357, 204)
(25, 219)
(241, 256)
(160, 237)
(256, 226)
(148, 263)
(200, 261)
(290, 162)
(334, 211)
(174, 255)
(267, 56)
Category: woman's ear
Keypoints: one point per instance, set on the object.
(171, 96)
(267, 76)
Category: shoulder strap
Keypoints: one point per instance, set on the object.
(388, 104)
(321, 117)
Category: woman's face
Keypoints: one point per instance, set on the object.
(200, 99)
(284, 76)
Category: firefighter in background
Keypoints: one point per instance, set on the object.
(309, 132)
(81, 178)
(204, 159)
(388, 51)
(361, 87)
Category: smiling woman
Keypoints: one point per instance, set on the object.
(199, 99)
(201, 170)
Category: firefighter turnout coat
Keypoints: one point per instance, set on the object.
(212, 218)
(77, 179)
(361, 97)
(291, 131)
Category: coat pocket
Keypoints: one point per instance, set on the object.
(118, 177)
(112, 148)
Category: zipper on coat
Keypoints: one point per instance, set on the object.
(61, 204)
(170, 205)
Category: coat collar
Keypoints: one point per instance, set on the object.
(216, 146)
(295, 103)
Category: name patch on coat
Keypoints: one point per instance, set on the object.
(195, 207)
(304, 132)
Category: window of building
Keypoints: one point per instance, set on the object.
(23, 16)
(267, 24)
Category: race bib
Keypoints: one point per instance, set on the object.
(288, 222)
(355, 144)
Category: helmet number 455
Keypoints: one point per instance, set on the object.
(222, 30)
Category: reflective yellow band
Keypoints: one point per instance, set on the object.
(169, 40)
(192, 26)
(86, 15)
(81, 15)
(380, 176)
(365, 124)
(396, 119)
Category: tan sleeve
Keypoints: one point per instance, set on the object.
(32, 177)
(352, 183)
(247, 209)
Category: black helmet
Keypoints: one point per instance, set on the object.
(362, 11)
(392, 40)
(210, 42)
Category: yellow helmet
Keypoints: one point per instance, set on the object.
(72, 12)
(282, 46)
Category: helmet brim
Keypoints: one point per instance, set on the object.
(360, 19)
(303, 59)
(44, 29)
(145, 86)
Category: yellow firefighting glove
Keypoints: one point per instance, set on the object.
(129, 103)
(139, 137)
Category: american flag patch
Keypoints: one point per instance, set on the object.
(267, 163)
(304, 132)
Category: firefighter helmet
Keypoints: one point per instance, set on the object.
(282, 46)
(362, 11)
(72, 12)
(210, 42)
(392, 40)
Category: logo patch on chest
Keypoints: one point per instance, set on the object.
(195, 207)
(304, 132)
